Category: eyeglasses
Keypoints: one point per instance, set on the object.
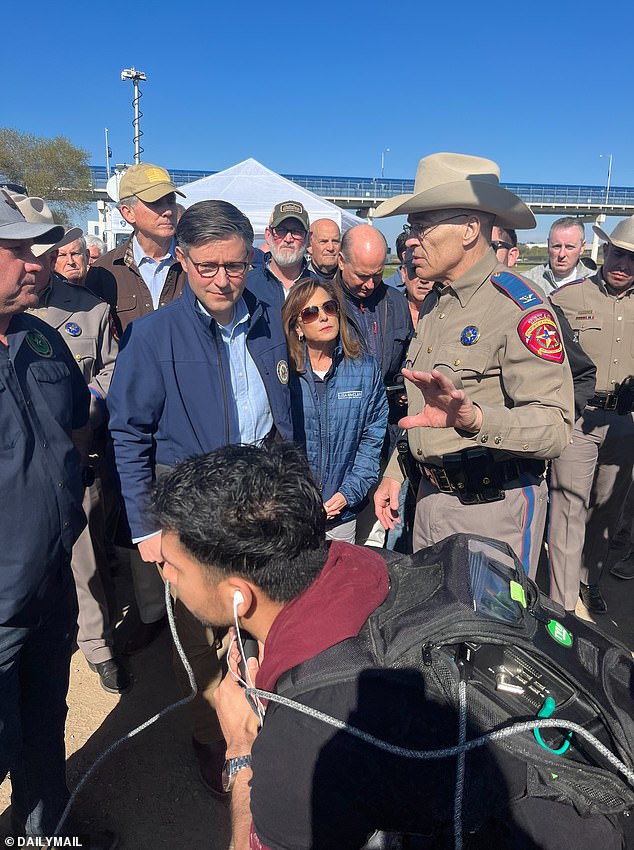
(417, 231)
(211, 269)
(281, 232)
(311, 314)
(499, 246)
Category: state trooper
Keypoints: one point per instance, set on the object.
(84, 322)
(591, 479)
(489, 388)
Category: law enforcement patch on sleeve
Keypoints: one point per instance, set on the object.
(38, 343)
(540, 335)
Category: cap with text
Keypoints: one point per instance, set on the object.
(289, 209)
(148, 182)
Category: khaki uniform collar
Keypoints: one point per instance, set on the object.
(598, 279)
(467, 285)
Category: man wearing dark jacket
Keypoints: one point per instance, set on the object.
(207, 370)
(379, 317)
(244, 543)
(143, 273)
(284, 262)
(137, 278)
(43, 399)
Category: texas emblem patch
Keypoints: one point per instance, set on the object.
(540, 335)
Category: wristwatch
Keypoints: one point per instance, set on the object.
(232, 768)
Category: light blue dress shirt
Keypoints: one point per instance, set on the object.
(153, 272)
(255, 419)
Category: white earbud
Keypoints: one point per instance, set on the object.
(238, 599)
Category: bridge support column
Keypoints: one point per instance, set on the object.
(368, 214)
(595, 242)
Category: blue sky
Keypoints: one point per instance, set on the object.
(324, 88)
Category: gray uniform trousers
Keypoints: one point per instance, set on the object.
(519, 519)
(93, 581)
(589, 485)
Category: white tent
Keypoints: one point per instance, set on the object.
(255, 190)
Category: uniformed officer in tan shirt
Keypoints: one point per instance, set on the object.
(591, 479)
(489, 388)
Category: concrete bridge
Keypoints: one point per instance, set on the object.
(364, 194)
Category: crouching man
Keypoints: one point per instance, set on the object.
(243, 541)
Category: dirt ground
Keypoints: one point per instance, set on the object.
(148, 790)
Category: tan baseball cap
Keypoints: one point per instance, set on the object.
(148, 182)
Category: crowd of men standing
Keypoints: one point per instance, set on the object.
(116, 368)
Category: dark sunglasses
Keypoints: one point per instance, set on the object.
(311, 314)
(498, 246)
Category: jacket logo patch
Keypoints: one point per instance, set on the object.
(282, 371)
(350, 394)
(38, 343)
(540, 335)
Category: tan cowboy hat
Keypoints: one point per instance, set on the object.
(37, 211)
(456, 180)
(622, 236)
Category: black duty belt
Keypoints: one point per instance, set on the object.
(605, 401)
(475, 477)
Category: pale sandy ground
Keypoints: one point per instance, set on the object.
(147, 791)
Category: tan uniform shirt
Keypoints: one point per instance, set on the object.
(83, 320)
(604, 326)
(507, 355)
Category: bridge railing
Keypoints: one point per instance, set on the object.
(377, 188)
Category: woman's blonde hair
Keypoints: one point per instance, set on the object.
(300, 293)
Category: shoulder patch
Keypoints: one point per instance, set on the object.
(516, 289)
(540, 335)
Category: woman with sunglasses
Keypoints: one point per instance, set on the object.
(339, 405)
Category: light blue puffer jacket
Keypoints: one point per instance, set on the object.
(342, 431)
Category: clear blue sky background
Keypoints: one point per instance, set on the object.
(323, 88)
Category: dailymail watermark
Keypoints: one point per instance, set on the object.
(47, 841)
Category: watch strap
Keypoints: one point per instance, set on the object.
(232, 767)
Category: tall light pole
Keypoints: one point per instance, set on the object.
(383, 152)
(594, 253)
(108, 154)
(607, 186)
(135, 76)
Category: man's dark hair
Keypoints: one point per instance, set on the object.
(401, 239)
(250, 512)
(212, 221)
(509, 235)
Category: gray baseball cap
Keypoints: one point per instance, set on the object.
(13, 225)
